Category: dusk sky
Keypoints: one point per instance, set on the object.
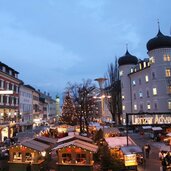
(52, 42)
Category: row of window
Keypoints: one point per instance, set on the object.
(146, 79)
(9, 71)
(26, 107)
(9, 100)
(166, 58)
(148, 106)
(25, 94)
(8, 86)
(154, 91)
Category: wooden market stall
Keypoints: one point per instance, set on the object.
(30, 154)
(132, 156)
(115, 144)
(75, 154)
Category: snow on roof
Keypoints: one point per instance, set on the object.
(131, 149)
(46, 139)
(78, 143)
(169, 134)
(165, 148)
(35, 145)
(111, 130)
(146, 127)
(76, 137)
(94, 124)
(157, 128)
(114, 142)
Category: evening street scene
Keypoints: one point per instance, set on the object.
(85, 85)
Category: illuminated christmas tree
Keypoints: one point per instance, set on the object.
(69, 115)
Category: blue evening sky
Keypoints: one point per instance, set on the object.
(52, 42)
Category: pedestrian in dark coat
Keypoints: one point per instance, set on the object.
(164, 164)
(147, 150)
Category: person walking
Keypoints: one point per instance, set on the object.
(147, 149)
(164, 164)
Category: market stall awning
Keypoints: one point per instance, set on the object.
(157, 129)
(132, 149)
(146, 127)
(78, 143)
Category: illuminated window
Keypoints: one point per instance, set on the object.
(132, 70)
(154, 91)
(140, 94)
(123, 107)
(123, 97)
(121, 73)
(135, 107)
(169, 89)
(81, 158)
(133, 82)
(146, 78)
(140, 66)
(148, 106)
(169, 104)
(66, 158)
(168, 72)
(152, 60)
(166, 58)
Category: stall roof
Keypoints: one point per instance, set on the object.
(169, 134)
(146, 127)
(131, 149)
(79, 143)
(165, 148)
(74, 137)
(114, 142)
(35, 145)
(46, 139)
(111, 130)
(157, 128)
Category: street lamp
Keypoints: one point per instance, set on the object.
(101, 82)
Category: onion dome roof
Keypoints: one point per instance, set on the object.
(160, 41)
(127, 59)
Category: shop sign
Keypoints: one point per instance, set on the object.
(155, 119)
(130, 160)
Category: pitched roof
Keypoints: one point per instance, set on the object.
(78, 143)
(115, 142)
(46, 139)
(131, 149)
(35, 145)
(70, 137)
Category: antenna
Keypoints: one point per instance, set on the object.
(158, 23)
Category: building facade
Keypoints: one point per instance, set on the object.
(146, 84)
(26, 103)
